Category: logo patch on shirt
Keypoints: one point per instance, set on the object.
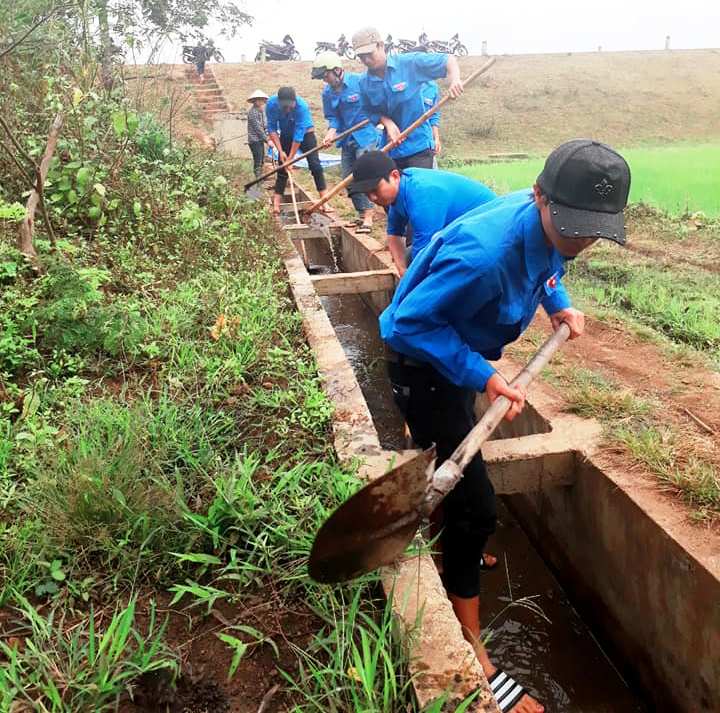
(353, 97)
(399, 86)
(551, 283)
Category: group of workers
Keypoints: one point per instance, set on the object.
(478, 267)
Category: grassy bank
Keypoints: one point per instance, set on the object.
(680, 179)
(164, 451)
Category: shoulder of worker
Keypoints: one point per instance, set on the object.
(301, 103)
(487, 235)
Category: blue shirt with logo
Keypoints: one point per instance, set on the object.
(296, 122)
(398, 95)
(474, 289)
(344, 108)
(429, 200)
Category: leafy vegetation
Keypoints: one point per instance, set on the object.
(163, 431)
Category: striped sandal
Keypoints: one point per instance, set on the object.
(506, 689)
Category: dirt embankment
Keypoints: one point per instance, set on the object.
(534, 102)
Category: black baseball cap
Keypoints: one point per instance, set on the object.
(369, 170)
(587, 184)
(286, 96)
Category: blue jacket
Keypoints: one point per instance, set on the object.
(295, 122)
(344, 109)
(431, 96)
(398, 95)
(429, 200)
(475, 289)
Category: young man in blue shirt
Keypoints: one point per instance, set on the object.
(427, 200)
(474, 289)
(290, 128)
(392, 93)
(342, 107)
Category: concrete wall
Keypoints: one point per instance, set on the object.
(654, 598)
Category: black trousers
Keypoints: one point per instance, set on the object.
(422, 159)
(309, 142)
(257, 149)
(439, 412)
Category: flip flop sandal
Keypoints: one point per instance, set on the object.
(506, 690)
(485, 565)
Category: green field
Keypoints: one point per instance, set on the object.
(678, 179)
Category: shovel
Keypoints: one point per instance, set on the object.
(374, 527)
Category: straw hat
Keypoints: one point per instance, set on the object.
(258, 94)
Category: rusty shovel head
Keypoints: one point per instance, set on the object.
(373, 527)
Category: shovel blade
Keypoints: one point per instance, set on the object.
(373, 527)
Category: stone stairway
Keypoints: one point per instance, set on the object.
(208, 95)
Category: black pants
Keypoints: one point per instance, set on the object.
(439, 412)
(423, 159)
(309, 142)
(257, 148)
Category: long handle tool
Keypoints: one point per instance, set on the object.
(374, 527)
(341, 135)
(392, 144)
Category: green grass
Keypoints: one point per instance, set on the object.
(682, 305)
(677, 179)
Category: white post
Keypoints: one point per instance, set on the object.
(667, 42)
(483, 51)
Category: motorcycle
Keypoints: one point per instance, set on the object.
(192, 53)
(452, 46)
(342, 47)
(390, 46)
(279, 53)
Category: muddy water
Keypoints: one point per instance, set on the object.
(357, 329)
(558, 660)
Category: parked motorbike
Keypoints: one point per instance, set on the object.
(194, 53)
(341, 47)
(405, 46)
(278, 52)
(452, 46)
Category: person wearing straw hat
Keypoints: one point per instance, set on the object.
(473, 290)
(343, 109)
(257, 135)
(392, 91)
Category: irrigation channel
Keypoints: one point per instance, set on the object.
(554, 654)
(631, 617)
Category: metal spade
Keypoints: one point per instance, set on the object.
(374, 527)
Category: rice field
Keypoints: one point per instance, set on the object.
(680, 179)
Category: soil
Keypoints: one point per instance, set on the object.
(203, 686)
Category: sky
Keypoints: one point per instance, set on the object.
(510, 27)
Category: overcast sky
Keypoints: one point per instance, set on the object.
(514, 26)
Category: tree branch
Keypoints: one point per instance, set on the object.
(37, 196)
(23, 37)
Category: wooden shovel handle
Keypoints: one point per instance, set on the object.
(467, 450)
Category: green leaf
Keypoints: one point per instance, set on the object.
(100, 189)
(239, 649)
(72, 197)
(119, 123)
(82, 177)
(57, 574)
(94, 212)
(137, 208)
